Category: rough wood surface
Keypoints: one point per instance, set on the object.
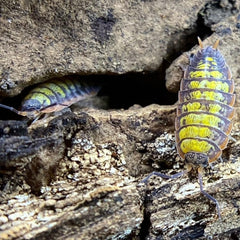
(89, 185)
(77, 174)
(91, 194)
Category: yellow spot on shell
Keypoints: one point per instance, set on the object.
(216, 74)
(210, 59)
(214, 108)
(39, 97)
(196, 94)
(206, 74)
(197, 106)
(204, 119)
(194, 84)
(41, 90)
(65, 85)
(195, 131)
(208, 95)
(212, 96)
(56, 89)
(195, 145)
(191, 107)
(217, 85)
(203, 66)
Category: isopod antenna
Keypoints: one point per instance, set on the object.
(14, 110)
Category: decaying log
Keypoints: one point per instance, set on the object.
(91, 194)
(80, 178)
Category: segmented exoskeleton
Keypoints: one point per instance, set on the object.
(205, 107)
(53, 96)
(204, 112)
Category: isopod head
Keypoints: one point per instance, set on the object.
(196, 159)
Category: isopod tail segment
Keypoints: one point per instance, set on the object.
(215, 45)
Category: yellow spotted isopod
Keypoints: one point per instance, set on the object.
(204, 113)
(53, 96)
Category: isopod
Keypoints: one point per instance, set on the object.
(53, 96)
(204, 113)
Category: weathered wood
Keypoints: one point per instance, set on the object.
(88, 186)
(92, 194)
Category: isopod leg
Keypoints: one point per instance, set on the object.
(162, 175)
(232, 138)
(206, 194)
(36, 118)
